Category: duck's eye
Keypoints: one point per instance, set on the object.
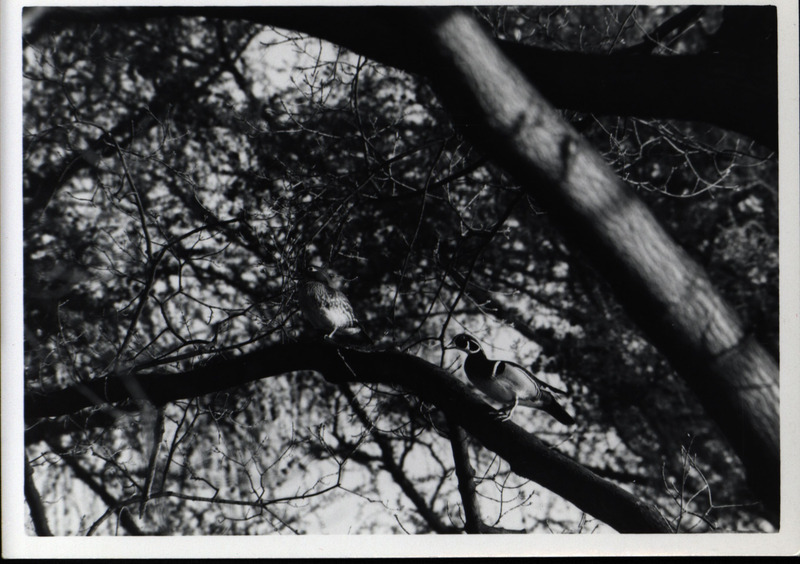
(462, 342)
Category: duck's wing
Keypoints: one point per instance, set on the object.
(516, 380)
(529, 390)
(534, 379)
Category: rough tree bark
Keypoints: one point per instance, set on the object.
(526, 454)
(661, 287)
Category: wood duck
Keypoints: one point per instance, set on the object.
(508, 382)
(325, 307)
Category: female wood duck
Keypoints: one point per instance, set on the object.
(325, 307)
(508, 382)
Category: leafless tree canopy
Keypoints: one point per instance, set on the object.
(589, 191)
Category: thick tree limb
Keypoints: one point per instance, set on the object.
(661, 287)
(687, 87)
(684, 87)
(527, 455)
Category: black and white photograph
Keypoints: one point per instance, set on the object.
(400, 279)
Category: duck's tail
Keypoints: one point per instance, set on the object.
(547, 403)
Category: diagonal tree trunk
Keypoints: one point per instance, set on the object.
(661, 287)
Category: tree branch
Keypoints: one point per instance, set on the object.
(473, 522)
(687, 87)
(661, 287)
(126, 518)
(397, 473)
(38, 515)
(527, 455)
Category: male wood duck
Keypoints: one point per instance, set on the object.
(325, 307)
(508, 382)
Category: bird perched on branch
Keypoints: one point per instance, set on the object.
(508, 382)
(325, 307)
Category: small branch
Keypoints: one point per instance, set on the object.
(138, 198)
(126, 520)
(158, 434)
(35, 504)
(466, 479)
(394, 469)
(488, 236)
(416, 230)
(680, 22)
